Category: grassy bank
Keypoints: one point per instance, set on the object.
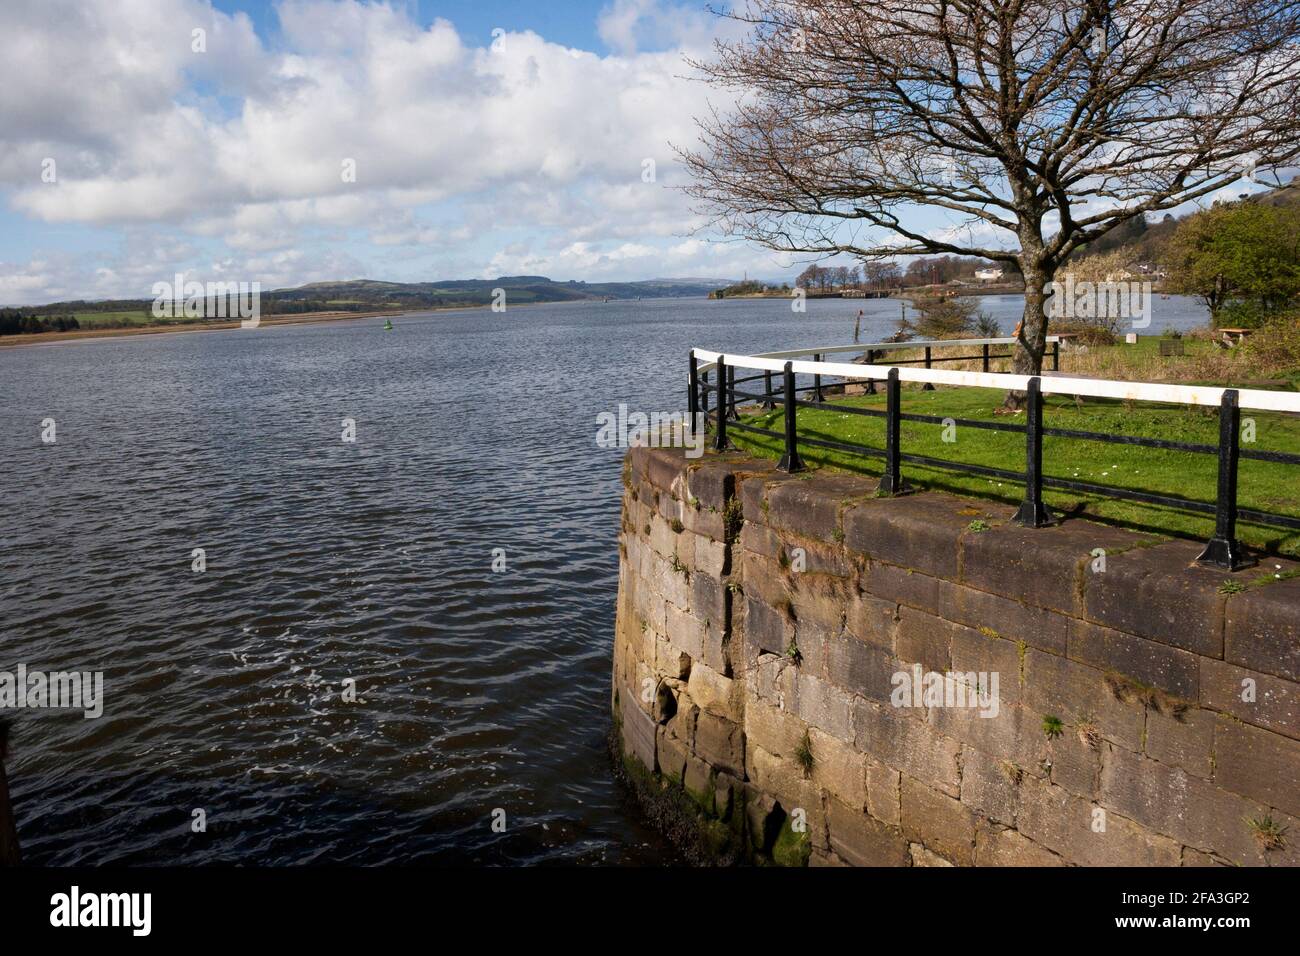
(91, 331)
(1263, 485)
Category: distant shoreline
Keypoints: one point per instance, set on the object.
(225, 325)
(305, 318)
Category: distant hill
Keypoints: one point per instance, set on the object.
(369, 295)
(1146, 241)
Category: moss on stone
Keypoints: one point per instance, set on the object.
(791, 849)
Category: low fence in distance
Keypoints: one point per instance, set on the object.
(1221, 551)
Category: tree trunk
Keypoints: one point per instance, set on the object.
(1031, 340)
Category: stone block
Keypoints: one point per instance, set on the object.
(1077, 693)
(1275, 703)
(1257, 764)
(1011, 620)
(883, 793)
(1185, 742)
(1064, 823)
(973, 651)
(711, 484)
(1075, 762)
(709, 558)
(682, 723)
(639, 732)
(704, 523)
(775, 680)
(1158, 665)
(670, 754)
(710, 600)
(819, 598)
(685, 631)
(1015, 734)
(861, 840)
(784, 780)
(698, 782)
(664, 467)
(765, 628)
(909, 745)
(859, 668)
(1160, 593)
(924, 639)
(721, 742)
(714, 693)
(670, 660)
(839, 769)
(923, 857)
(779, 732)
(765, 580)
(811, 508)
(761, 540)
(917, 532)
(1044, 567)
(990, 786)
(996, 846)
(1262, 629)
(662, 539)
(822, 705)
(898, 585)
(872, 620)
(1188, 809)
(938, 821)
(813, 643)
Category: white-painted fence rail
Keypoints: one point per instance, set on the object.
(1051, 382)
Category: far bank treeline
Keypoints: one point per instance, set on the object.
(1240, 257)
(362, 295)
(16, 322)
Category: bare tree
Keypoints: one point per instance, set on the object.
(1030, 128)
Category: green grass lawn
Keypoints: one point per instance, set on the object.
(1262, 485)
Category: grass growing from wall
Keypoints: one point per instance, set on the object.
(1262, 485)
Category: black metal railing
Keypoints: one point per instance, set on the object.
(1222, 550)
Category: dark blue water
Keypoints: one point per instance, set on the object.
(479, 692)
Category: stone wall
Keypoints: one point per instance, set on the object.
(1147, 713)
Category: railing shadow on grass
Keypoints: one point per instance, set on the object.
(1223, 549)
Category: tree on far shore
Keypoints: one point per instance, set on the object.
(1239, 257)
(1032, 128)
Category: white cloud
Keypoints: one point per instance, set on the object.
(245, 146)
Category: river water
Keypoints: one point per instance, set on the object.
(481, 694)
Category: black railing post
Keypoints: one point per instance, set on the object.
(720, 436)
(731, 393)
(767, 389)
(704, 397)
(693, 392)
(817, 383)
(1056, 356)
(871, 360)
(791, 461)
(1033, 513)
(928, 386)
(891, 483)
(986, 356)
(1223, 550)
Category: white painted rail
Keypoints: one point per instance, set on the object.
(1051, 383)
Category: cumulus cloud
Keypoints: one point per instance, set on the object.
(358, 123)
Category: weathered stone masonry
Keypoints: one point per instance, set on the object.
(755, 689)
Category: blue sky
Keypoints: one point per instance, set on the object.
(306, 140)
(571, 22)
(214, 137)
